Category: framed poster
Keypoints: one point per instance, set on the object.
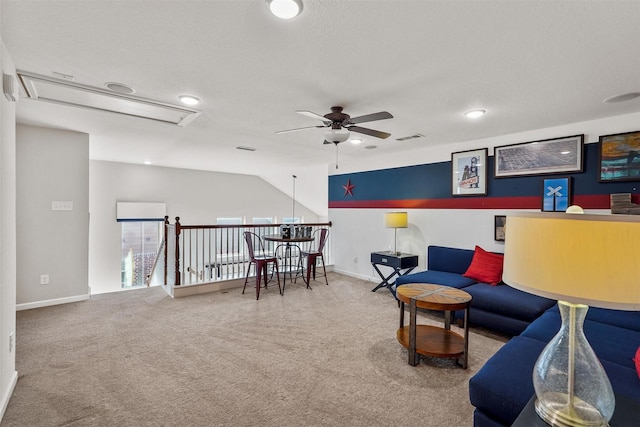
(469, 173)
(559, 155)
(619, 157)
(499, 227)
(556, 194)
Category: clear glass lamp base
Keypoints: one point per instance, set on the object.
(572, 388)
(556, 411)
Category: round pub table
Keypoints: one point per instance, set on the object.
(433, 340)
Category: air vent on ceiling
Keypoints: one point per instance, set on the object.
(414, 136)
(242, 147)
(59, 91)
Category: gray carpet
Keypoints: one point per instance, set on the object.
(321, 357)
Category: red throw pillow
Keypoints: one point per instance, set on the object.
(486, 267)
(637, 360)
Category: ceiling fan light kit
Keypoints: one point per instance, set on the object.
(285, 9)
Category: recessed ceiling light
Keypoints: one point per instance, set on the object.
(285, 9)
(621, 98)
(474, 114)
(565, 152)
(189, 100)
(147, 162)
(356, 141)
(119, 87)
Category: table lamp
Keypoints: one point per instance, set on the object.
(395, 220)
(582, 261)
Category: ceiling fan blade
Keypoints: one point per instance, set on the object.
(370, 132)
(314, 116)
(327, 142)
(297, 129)
(371, 117)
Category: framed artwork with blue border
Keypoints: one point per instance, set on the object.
(556, 194)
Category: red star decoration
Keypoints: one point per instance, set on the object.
(348, 189)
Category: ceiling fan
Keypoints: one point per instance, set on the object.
(339, 124)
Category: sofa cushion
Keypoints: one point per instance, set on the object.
(507, 301)
(452, 260)
(485, 267)
(621, 318)
(610, 343)
(435, 277)
(504, 385)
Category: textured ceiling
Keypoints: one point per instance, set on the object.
(530, 64)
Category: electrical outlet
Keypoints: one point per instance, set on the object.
(44, 279)
(355, 260)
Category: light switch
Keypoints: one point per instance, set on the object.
(61, 205)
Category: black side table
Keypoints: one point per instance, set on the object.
(398, 262)
(627, 413)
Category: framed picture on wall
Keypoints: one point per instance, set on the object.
(499, 227)
(469, 173)
(559, 155)
(556, 194)
(619, 157)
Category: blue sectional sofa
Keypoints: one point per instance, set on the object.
(499, 308)
(503, 386)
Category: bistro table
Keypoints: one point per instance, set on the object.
(288, 267)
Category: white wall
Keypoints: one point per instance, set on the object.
(8, 374)
(52, 165)
(197, 197)
(358, 232)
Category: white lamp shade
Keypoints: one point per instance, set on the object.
(396, 220)
(586, 259)
(336, 135)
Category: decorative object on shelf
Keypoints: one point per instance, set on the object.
(469, 173)
(556, 194)
(619, 157)
(558, 155)
(499, 227)
(621, 204)
(580, 260)
(395, 220)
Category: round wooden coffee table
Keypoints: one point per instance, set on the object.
(433, 340)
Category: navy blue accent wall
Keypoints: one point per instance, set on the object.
(433, 181)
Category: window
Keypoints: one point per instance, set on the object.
(229, 221)
(262, 220)
(292, 220)
(140, 243)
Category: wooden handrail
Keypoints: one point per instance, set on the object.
(178, 231)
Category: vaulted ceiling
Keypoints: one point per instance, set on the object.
(529, 64)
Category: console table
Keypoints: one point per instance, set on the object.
(398, 262)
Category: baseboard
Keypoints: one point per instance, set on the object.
(6, 396)
(49, 302)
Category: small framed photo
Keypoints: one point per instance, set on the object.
(558, 155)
(619, 157)
(556, 194)
(469, 173)
(499, 227)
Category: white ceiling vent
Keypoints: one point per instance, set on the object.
(414, 136)
(68, 93)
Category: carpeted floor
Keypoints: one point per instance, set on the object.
(322, 357)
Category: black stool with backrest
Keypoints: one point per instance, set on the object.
(313, 255)
(261, 262)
